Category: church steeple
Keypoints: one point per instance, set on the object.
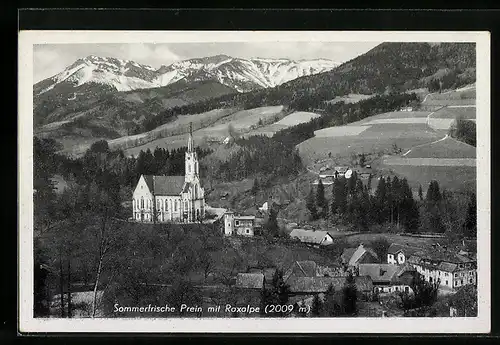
(191, 160)
(190, 140)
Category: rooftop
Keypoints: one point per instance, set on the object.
(309, 236)
(321, 284)
(383, 273)
(250, 280)
(164, 185)
(301, 269)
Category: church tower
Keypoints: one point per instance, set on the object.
(191, 159)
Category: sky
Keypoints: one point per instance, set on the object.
(50, 59)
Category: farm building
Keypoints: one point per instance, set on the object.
(317, 238)
(352, 257)
(387, 277)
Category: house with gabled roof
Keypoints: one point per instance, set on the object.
(316, 238)
(171, 198)
(389, 277)
(301, 269)
(352, 257)
(451, 269)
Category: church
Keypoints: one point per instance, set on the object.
(178, 199)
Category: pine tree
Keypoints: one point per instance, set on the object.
(311, 205)
(331, 307)
(420, 193)
(350, 292)
(255, 187)
(321, 202)
(272, 223)
(381, 201)
(470, 224)
(317, 306)
(339, 202)
(432, 218)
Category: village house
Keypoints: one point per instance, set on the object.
(311, 269)
(303, 289)
(389, 278)
(238, 225)
(451, 269)
(326, 181)
(171, 198)
(398, 254)
(310, 237)
(352, 257)
(254, 281)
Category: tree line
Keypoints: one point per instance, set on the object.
(261, 155)
(393, 204)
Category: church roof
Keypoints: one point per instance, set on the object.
(165, 185)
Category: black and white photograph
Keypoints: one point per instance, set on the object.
(257, 182)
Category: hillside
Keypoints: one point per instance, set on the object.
(403, 66)
(111, 115)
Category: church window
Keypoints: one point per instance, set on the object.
(176, 205)
(189, 168)
(166, 205)
(186, 205)
(142, 202)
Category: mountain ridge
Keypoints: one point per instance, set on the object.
(238, 73)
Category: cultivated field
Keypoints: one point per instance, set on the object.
(361, 137)
(440, 124)
(443, 162)
(293, 119)
(418, 134)
(414, 242)
(394, 115)
(464, 93)
(445, 148)
(241, 121)
(453, 112)
(340, 131)
(177, 127)
(350, 98)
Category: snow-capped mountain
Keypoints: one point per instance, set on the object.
(241, 74)
(123, 75)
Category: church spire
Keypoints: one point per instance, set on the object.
(190, 140)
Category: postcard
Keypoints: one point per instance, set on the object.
(266, 181)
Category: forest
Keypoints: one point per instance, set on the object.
(393, 205)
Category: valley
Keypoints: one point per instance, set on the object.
(189, 182)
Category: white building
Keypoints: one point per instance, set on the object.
(238, 225)
(318, 238)
(171, 198)
(452, 270)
